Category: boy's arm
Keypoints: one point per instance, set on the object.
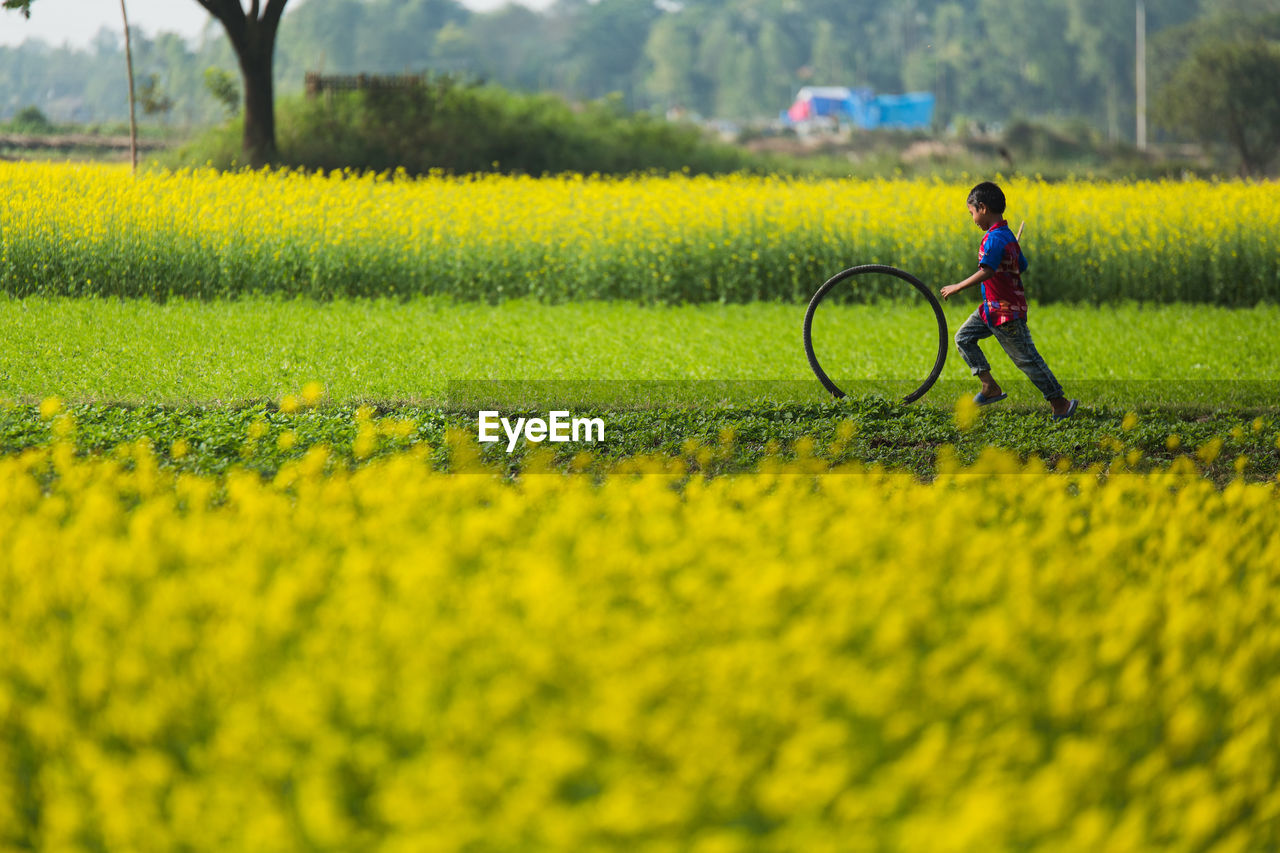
(980, 276)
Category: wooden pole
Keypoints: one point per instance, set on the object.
(1140, 74)
(133, 117)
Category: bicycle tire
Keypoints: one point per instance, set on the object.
(853, 272)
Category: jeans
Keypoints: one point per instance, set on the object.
(1016, 340)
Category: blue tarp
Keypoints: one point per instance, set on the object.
(913, 110)
(861, 107)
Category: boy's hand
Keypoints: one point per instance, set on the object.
(980, 276)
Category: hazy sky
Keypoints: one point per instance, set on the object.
(77, 21)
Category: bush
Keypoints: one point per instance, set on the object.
(31, 120)
(462, 128)
(1073, 143)
(219, 147)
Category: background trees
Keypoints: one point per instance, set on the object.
(252, 36)
(1228, 92)
(988, 61)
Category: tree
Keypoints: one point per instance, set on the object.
(252, 34)
(1226, 92)
(830, 64)
(1241, 8)
(152, 96)
(169, 55)
(455, 50)
(780, 59)
(1018, 78)
(222, 86)
(325, 35)
(605, 47)
(954, 79)
(506, 44)
(1101, 31)
(408, 40)
(1174, 46)
(671, 50)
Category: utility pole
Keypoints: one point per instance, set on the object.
(133, 119)
(1141, 75)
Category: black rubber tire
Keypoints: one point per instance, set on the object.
(843, 275)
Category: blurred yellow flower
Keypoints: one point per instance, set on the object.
(50, 406)
(1210, 450)
(600, 659)
(312, 393)
(966, 413)
(584, 659)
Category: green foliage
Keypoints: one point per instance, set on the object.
(30, 119)
(461, 128)
(740, 59)
(712, 441)
(223, 86)
(607, 353)
(204, 373)
(1030, 140)
(736, 59)
(152, 97)
(1226, 93)
(219, 147)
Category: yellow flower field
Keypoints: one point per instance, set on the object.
(397, 659)
(91, 229)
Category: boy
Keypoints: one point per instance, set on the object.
(1003, 311)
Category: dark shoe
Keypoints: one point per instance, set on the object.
(1071, 410)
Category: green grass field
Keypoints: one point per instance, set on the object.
(200, 374)
(230, 353)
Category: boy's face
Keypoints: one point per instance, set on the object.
(982, 217)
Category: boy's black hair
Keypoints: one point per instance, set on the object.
(988, 194)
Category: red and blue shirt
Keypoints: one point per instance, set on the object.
(1002, 296)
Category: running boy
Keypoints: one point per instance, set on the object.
(1003, 311)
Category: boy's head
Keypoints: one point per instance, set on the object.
(986, 204)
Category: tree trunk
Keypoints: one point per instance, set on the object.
(259, 108)
(253, 38)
